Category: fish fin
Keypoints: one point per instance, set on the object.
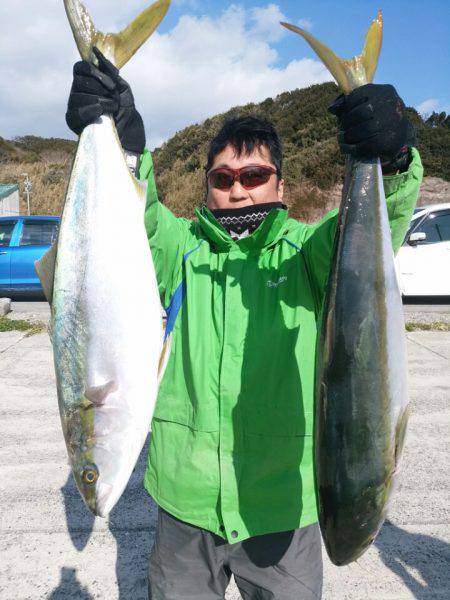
(117, 47)
(45, 268)
(349, 73)
(82, 26)
(372, 47)
(130, 39)
(141, 187)
(400, 434)
(50, 331)
(164, 358)
(97, 394)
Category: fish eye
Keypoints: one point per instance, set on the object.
(90, 475)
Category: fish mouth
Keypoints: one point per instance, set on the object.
(104, 500)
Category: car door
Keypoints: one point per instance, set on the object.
(425, 266)
(35, 238)
(7, 227)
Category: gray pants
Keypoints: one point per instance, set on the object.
(189, 563)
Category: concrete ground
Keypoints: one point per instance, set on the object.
(439, 309)
(426, 309)
(51, 548)
(33, 310)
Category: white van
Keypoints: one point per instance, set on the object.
(423, 262)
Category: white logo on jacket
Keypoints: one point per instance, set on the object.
(275, 284)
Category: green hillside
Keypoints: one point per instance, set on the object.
(312, 167)
(313, 163)
(47, 162)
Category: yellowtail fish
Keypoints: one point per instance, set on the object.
(106, 313)
(361, 393)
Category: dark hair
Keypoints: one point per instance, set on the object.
(245, 134)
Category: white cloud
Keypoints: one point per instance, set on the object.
(201, 67)
(427, 106)
(305, 23)
(267, 23)
(433, 105)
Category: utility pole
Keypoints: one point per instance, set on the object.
(27, 187)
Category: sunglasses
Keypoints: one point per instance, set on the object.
(249, 177)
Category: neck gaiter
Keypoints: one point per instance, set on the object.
(242, 222)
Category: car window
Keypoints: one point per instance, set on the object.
(413, 227)
(6, 231)
(443, 226)
(38, 233)
(437, 227)
(429, 227)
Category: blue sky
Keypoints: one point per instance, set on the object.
(416, 45)
(207, 57)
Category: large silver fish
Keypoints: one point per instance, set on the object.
(106, 313)
(361, 394)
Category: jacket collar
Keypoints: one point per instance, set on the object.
(270, 230)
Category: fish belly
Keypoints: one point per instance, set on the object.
(106, 319)
(361, 401)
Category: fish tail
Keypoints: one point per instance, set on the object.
(349, 73)
(117, 47)
(45, 269)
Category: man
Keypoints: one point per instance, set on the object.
(231, 462)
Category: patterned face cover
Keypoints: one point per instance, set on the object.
(242, 222)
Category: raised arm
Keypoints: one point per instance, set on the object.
(167, 235)
(401, 190)
(372, 122)
(99, 90)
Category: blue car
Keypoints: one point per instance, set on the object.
(23, 240)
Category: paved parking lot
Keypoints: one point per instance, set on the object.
(52, 548)
(416, 309)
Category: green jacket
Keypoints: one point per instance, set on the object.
(231, 448)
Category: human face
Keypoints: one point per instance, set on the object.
(237, 196)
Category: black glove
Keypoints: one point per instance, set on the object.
(101, 91)
(373, 123)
